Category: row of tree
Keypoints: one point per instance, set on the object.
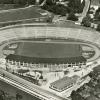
(27, 1)
(17, 1)
(92, 88)
(73, 5)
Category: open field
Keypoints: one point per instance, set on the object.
(48, 50)
(21, 14)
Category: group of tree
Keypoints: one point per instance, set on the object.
(74, 6)
(22, 2)
(56, 9)
(97, 18)
(92, 87)
(19, 96)
(86, 21)
(76, 96)
(97, 14)
(22, 71)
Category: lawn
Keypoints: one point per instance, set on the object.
(20, 14)
(48, 50)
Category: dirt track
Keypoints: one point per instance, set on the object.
(90, 38)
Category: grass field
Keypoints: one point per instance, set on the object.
(48, 50)
(21, 14)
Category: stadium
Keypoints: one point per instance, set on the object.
(48, 50)
(47, 61)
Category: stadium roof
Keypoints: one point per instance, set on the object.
(35, 60)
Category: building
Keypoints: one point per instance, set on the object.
(51, 64)
(64, 83)
(95, 4)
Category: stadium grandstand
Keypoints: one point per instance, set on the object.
(55, 57)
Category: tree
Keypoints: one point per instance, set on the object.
(76, 6)
(73, 95)
(48, 2)
(6, 1)
(22, 71)
(31, 2)
(56, 9)
(18, 96)
(76, 96)
(86, 21)
(72, 17)
(97, 14)
(2, 95)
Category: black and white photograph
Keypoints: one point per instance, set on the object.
(49, 49)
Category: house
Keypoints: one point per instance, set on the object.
(95, 4)
(64, 83)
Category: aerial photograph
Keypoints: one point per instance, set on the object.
(49, 49)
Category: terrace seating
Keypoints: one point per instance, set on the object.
(77, 33)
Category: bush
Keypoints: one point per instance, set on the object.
(76, 6)
(86, 21)
(56, 9)
(72, 17)
(76, 96)
(98, 28)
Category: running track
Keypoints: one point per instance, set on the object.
(89, 37)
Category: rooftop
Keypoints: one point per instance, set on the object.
(38, 60)
(64, 83)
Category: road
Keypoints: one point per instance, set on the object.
(85, 10)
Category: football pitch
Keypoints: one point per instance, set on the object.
(48, 50)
